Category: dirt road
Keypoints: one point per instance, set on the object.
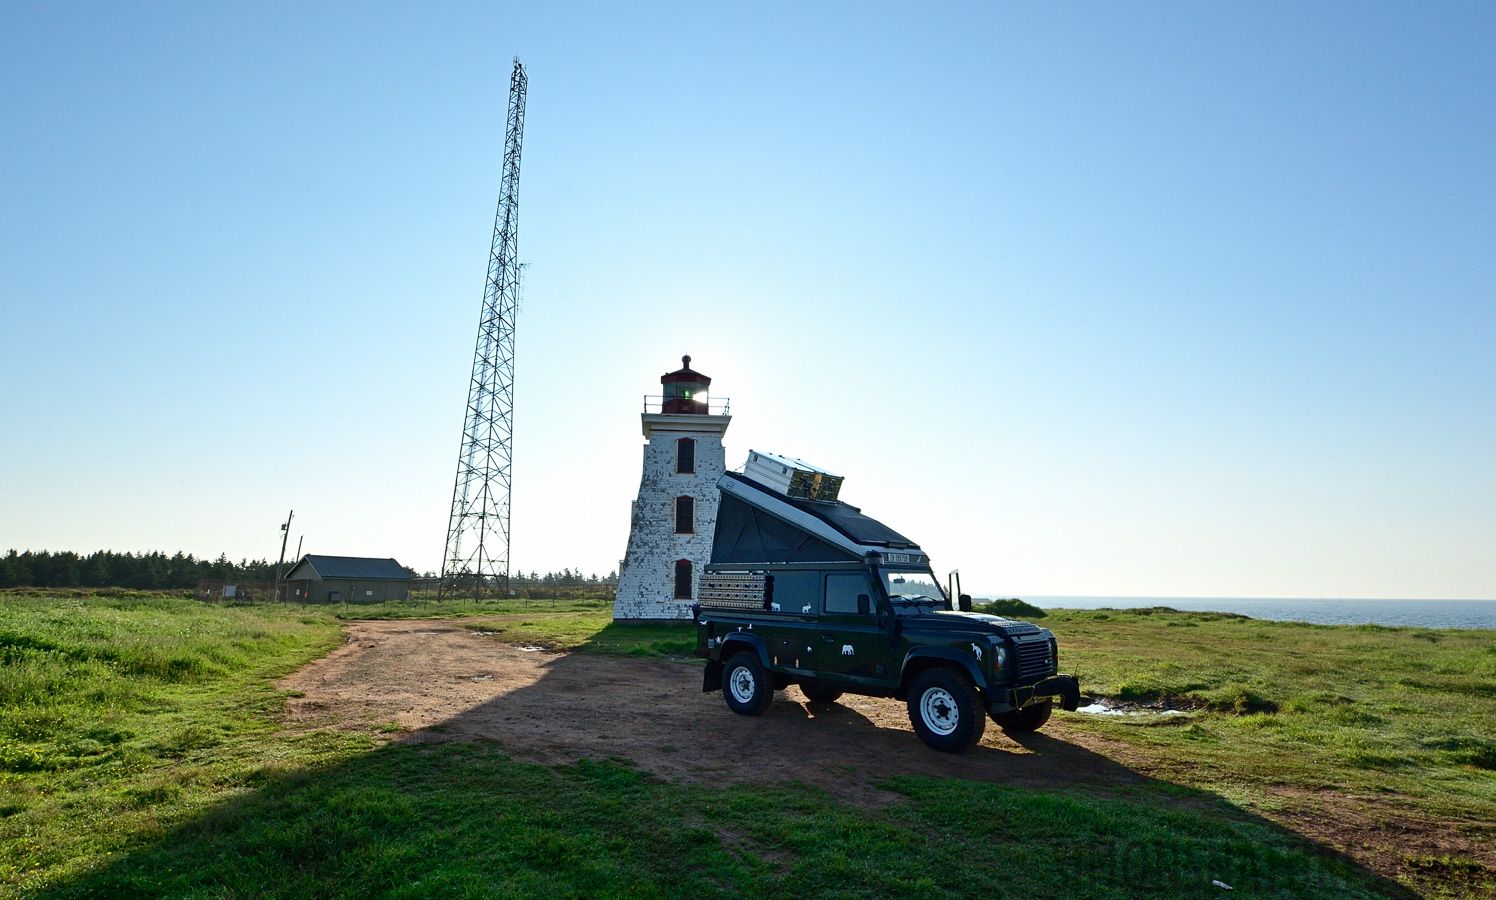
(557, 707)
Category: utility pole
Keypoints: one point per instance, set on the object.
(477, 547)
(285, 534)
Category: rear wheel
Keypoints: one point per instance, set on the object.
(746, 686)
(819, 693)
(1026, 720)
(945, 710)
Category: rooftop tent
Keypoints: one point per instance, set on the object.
(850, 521)
(749, 535)
(756, 524)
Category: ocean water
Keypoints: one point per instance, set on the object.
(1414, 613)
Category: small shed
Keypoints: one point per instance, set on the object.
(351, 579)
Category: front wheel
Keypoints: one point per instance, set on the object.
(746, 685)
(1026, 720)
(945, 710)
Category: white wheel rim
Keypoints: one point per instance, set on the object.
(741, 684)
(938, 708)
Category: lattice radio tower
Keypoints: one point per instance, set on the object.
(477, 551)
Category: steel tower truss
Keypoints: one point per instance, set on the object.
(477, 550)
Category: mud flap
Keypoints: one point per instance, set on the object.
(711, 679)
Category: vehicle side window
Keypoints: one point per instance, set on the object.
(842, 592)
(796, 592)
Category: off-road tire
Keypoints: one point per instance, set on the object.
(745, 685)
(1026, 720)
(819, 693)
(945, 710)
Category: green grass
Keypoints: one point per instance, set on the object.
(597, 606)
(1392, 710)
(1393, 725)
(143, 757)
(590, 633)
(120, 713)
(466, 821)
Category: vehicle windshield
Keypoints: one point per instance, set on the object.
(913, 587)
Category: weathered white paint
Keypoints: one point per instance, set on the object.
(646, 582)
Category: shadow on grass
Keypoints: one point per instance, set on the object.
(756, 811)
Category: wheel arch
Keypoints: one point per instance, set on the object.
(735, 642)
(923, 658)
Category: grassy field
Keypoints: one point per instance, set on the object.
(1395, 727)
(141, 754)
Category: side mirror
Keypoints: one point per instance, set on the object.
(864, 604)
(965, 602)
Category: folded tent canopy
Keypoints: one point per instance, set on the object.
(756, 524)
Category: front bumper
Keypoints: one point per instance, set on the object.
(1065, 687)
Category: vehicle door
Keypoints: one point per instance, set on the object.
(793, 613)
(852, 646)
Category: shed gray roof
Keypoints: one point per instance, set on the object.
(355, 567)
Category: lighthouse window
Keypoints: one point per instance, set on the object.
(685, 515)
(685, 456)
(683, 579)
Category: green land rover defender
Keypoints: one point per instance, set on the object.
(805, 590)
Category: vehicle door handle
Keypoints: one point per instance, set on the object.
(829, 637)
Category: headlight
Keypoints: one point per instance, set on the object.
(1000, 657)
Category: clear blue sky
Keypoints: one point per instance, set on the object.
(1164, 299)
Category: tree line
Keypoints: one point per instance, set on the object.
(157, 571)
(563, 578)
(141, 571)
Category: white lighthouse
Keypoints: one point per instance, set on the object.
(670, 537)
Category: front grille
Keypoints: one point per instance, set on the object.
(1035, 659)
